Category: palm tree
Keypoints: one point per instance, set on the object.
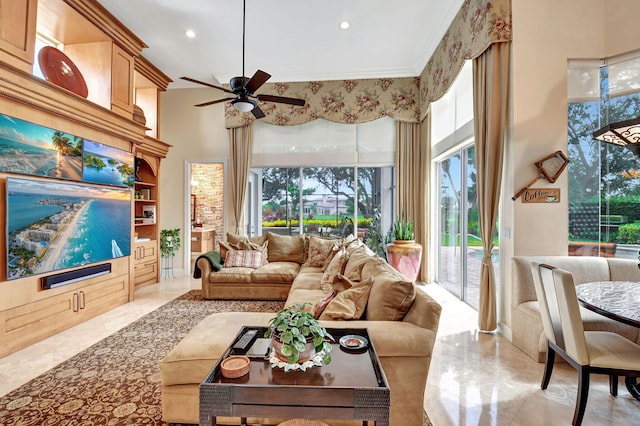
(61, 142)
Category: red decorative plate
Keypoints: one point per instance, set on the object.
(61, 71)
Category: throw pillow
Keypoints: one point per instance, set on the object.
(336, 266)
(318, 251)
(349, 304)
(342, 283)
(357, 260)
(225, 247)
(264, 248)
(235, 238)
(244, 258)
(283, 248)
(392, 294)
(322, 304)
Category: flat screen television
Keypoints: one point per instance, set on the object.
(108, 165)
(54, 225)
(32, 149)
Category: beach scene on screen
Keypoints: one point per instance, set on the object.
(58, 225)
(32, 149)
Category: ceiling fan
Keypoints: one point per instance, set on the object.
(244, 88)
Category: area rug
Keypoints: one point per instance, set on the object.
(116, 382)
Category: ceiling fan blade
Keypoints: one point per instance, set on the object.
(257, 112)
(281, 99)
(258, 79)
(217, 101)
(206, 84)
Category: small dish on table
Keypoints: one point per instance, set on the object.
(234, 366)
(353, 342)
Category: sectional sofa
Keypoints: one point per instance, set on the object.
(526, 323)
(401, 319)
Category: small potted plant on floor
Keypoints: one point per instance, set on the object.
(404, 254)
(297, 337)
(169, 242)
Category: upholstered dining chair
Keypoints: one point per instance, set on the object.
(599, 352)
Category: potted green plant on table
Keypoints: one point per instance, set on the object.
(298, 339)
(404, 253)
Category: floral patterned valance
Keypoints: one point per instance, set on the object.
(342, 101)
(478, 24)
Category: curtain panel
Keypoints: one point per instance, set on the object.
(478, 24)
(412, 172)
(490, 100)
(240, 141)
(341, 101)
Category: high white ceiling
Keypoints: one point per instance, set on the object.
(293, 40)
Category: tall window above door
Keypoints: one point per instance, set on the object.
(604, 179)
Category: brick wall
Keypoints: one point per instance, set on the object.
(209, 194)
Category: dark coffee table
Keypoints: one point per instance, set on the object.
(353, 386)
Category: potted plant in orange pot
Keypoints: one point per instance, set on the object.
(404, 254)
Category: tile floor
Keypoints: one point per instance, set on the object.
(475, 378)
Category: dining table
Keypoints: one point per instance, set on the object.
(618, 300)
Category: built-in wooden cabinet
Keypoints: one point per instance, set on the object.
(18, 32)
(146, 263)
(117, 76)
(63, 307)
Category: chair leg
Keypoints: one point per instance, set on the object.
(548, 366)
(613, 384)
(583, 394)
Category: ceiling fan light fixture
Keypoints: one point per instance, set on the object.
(243, 105)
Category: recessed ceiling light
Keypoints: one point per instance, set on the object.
(190, 33)
(345, 25)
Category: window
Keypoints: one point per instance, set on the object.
(340, 178)
(604, 199)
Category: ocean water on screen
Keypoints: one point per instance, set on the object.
(103, 220)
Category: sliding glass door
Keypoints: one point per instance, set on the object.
(460, 245)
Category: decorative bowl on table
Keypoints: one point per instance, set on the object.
(234, 366)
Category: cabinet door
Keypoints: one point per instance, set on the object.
(121, 82)
(18, 32)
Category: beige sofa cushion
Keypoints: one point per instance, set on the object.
(349, 304)
(391, 293)
(283, 248)
(357, 260)
(231, 275)
(275, 272)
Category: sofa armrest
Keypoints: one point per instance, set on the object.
(205, 268)
(424, 312)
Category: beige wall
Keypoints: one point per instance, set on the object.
(197, 135)
(545, 34)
